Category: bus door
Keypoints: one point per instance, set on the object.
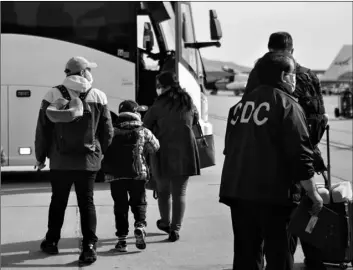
(4, 121)
(147, 62)
(156, 46)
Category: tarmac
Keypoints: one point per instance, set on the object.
(206, 238)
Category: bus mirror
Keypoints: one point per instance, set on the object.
(148, 39)
(184, 29)
(215, 26)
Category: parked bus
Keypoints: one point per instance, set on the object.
(130, 41)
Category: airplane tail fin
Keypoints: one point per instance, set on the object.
(341, 68)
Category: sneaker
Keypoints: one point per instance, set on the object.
(165, 229)
(49, 247)
(173, 236)
(140, 235)
(121, 246)
(88, 254)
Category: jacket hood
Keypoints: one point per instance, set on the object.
(77, 83)
(128, 121)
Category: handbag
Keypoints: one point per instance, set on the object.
(152, 185)
(205, 145)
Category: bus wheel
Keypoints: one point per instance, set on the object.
(337, 112)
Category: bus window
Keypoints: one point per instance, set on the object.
(188, 54)
(106, 26)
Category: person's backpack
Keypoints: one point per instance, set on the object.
(121, 158)
(77, 136)
(307, 91)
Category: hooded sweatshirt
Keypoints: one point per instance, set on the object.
(45, 146)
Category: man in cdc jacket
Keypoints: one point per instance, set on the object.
(267, 149)
(309, 95)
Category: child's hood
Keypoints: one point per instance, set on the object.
(127, 121)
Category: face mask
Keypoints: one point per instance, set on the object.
(159, 91)
(88, 76)
(290, 79)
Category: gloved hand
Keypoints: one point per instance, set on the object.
(39, 165)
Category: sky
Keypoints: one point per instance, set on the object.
(319, 29)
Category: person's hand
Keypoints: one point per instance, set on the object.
(318, 202)
(39, 165)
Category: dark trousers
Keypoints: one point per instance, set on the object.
(61, 182)
(175, 188)
(313, 256)
(121, 190)
(259, 229)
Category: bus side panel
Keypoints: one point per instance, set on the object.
(23, 114)
(4, 121)
(47, 57)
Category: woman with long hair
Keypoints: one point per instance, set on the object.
(171, 118)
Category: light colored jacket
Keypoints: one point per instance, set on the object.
(45, 145)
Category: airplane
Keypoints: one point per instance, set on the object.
(232, 81)
(339, 75)
(344, 62)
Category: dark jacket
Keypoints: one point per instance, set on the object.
(309, 95)
(266, 149)
(45, 144)
(178, 155)
(126, 156)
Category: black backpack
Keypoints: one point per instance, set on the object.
(78, 136)
(308, 93)
(121, 157)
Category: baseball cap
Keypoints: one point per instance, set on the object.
(78, 63)
(131, 106)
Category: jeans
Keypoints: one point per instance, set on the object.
(174, 187)
(261, 228)
(120, 189)
(61, 182)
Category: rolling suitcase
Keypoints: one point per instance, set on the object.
(342, 255)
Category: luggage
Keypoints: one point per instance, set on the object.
(343, 254)
(332, 230)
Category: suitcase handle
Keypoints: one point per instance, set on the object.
(328, 180)
(349, 238)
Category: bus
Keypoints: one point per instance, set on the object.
(130, 41)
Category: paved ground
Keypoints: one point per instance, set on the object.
(206, 237)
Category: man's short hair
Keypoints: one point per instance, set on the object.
(271, 66)
(280, 41)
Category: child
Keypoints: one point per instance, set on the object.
(126, 169)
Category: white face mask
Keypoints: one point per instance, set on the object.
(290, 79)
(159, 91)
(88, 76)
